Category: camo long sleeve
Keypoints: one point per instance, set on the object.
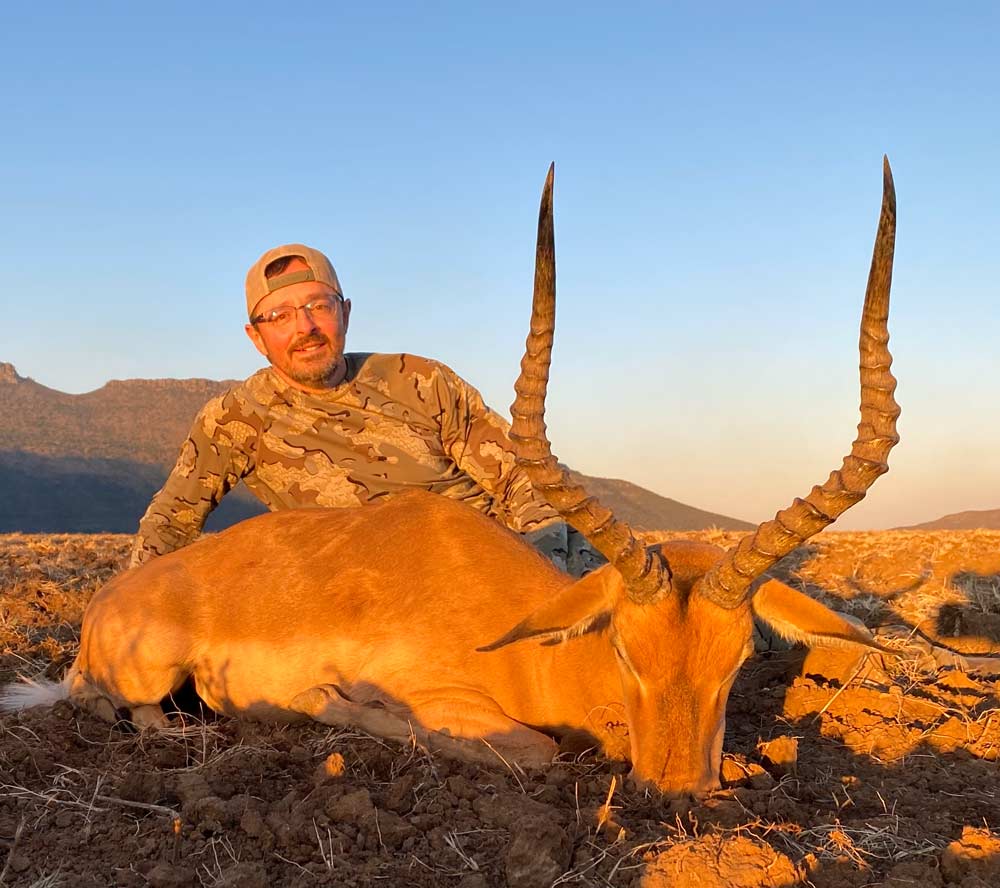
(397, 421)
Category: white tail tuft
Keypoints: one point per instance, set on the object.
(29, 692)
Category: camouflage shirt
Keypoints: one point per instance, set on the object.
(396, 422)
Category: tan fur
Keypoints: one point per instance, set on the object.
(800, 618)
(376, 617)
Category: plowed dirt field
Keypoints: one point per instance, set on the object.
(837, 772)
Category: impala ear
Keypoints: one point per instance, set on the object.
(797, 617)
(583, 607)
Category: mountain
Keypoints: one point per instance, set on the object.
(988, 519)
(139, 420)
(90, 463)
(646, 510)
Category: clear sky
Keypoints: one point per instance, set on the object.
(718, 175)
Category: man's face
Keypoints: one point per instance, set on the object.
(308, 351)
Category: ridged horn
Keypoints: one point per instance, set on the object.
(727, 583)
(646, 574)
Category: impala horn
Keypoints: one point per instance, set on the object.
(646, 573)
(727, 583)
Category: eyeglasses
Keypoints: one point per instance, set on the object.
(284, 315)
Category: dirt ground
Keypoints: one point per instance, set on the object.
(836, 772)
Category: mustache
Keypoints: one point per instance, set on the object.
(311, 339)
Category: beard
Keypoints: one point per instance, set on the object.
(313, 369)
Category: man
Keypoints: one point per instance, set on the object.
(321, 427)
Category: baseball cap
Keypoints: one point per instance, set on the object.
(319, 269)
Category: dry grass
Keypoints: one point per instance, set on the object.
(944, 583)
(45, 584)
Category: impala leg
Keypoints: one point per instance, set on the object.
(107, 706)
(124, 672)
(482, 734)
(484, 724)
(325, 704)
(149, 716)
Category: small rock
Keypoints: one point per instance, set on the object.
(355, 807)
(958, 680)
(190, 787)
(538, 854)
(252, 823)
(399, 798)
(733, 772)
(508, 809)
(19, 862)
(461, 787)
(975, 855)
(393, 829)
(716, 862)
(736, 773)
(833, 664)
(781, 755)
(208, 813)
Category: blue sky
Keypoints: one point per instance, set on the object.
(717, 189)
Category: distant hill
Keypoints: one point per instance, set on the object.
(49, 494)
(646, 510)
(141, 420)
(985, 520)
(90, 463)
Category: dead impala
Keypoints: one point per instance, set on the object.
(394, 617)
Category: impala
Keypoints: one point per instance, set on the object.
(395, 617)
